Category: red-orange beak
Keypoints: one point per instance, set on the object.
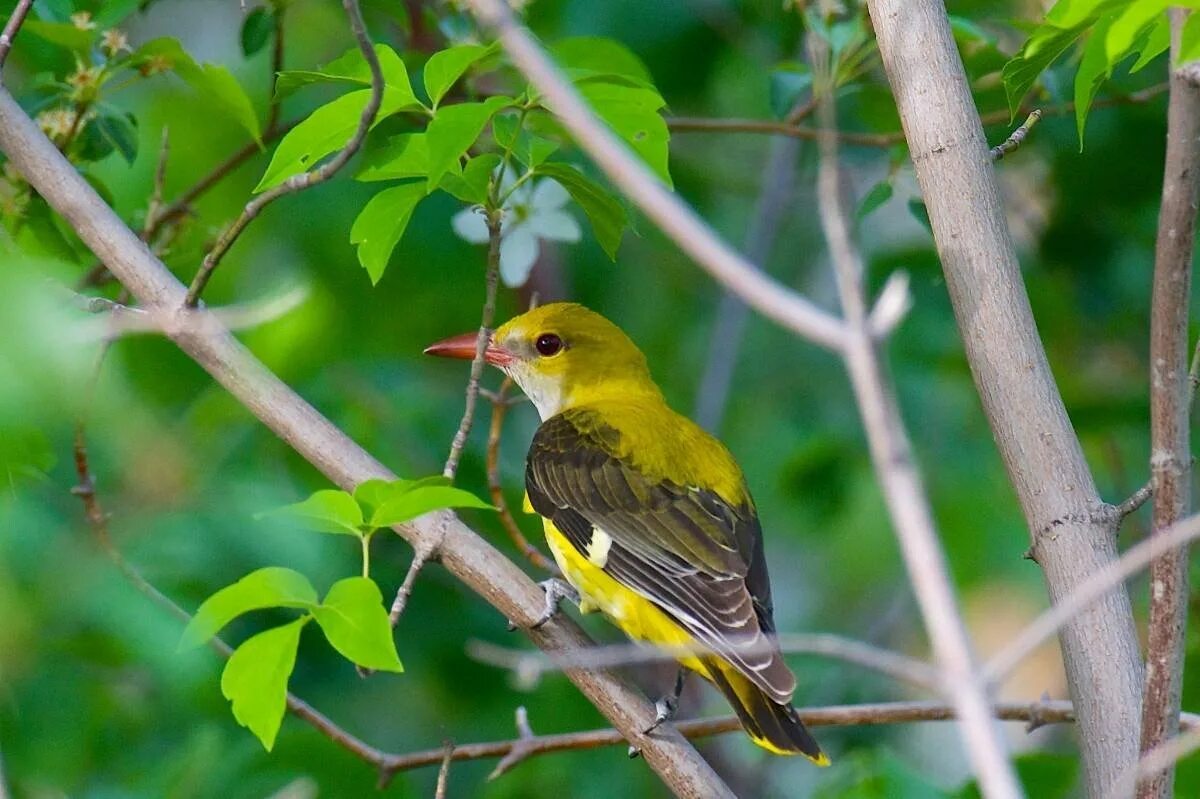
(463, 347)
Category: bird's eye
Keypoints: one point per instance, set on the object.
(548, 344)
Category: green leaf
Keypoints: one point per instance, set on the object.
(272, 587)
(789, 82)
(1069, 13)
(1041, 49)
(452, 131)
(599, 55)
(256, 676)
(326, 131)
(326, 511)
(1157, 40)
(351, 67)
(633, 115)
(63, 34)
(112, 12)
(917, 208)
(406, 155)
(528, 148)
(120, 131)
(256, 30)
(604, 211)
(444, 68)
(409, 502)
(1094, 68)
(1126, 27)
(373, 493)
(879, 194)
(381, 223)
(356, 623)
(472, 185)
(1189, 40)
(211, 80)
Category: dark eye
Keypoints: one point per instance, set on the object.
(548, 344)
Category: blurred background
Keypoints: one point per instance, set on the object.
(96, 702)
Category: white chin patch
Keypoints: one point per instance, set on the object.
(546, 395)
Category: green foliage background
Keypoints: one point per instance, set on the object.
(95, 699)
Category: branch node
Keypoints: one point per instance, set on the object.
(1016, 137)
(523, 747)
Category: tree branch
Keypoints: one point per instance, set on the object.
(467, 556)
(530, 665)
(771, 298)
(1170, 450)
(492, 281)
(15, 21)
(1035, 713)
(305, 179)
(792, 129)
(1073, 531)
(500, 405)
(1015, 138)
(903, 493)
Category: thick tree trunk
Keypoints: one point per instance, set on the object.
(1072, 530)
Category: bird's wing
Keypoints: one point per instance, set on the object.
(685, 549)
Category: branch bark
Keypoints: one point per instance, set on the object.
(1073, 531)
(471, 559)
(903, 493)
(1170, 453)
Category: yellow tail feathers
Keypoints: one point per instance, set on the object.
(772, 726)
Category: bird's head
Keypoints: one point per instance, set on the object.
(561, 355)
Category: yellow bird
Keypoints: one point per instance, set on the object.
(648, 516)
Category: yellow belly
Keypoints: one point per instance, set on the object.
(639, 618)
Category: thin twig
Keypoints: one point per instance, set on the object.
(1086, 592)
(500, 406)
(444, 772)
(1170, 447)
(1015, 138)
(98, 275)
(420, 558)
(1135, 500)
(888, 139)
(903, 493)
(530, 665)
(305, 179)
(1040, 711)
(154, 207)
(1156, 763)
(523, 747)
(9, 34)
(629, 173)
(492, 281)
(273, 108)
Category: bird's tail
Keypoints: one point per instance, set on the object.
(772, 726)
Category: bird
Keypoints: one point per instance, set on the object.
(648, 517)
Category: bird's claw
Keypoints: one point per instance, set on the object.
(556, 591)
(665, 707)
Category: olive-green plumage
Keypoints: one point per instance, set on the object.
(648, 515)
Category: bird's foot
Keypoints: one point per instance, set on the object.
(556, 591)
(665, 707)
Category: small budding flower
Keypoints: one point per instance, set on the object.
(83, 21)
(85, 83)
(57, 122)
(113, 41)
(154, 65)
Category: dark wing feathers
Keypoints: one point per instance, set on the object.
(696, 557)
